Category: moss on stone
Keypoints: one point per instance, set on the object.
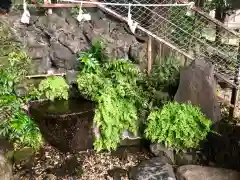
(11, 49)
(7, 40)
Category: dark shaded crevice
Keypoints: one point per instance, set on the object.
(5, 6)
(47, 37)
(139, 38)
(46, 34)
(53, 65)
(65, 46)
(130, 57)
(87, 38)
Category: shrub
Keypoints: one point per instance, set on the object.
(165, 76)
(178, 126)
(6, 83)
(54, 87)
(13, 71)
(14, 122)
(113, 85)
(95, 55)
(18, 65)
(21, 129)
(117, 100)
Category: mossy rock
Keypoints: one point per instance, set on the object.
(5, 34)
(8, 41)
(23, 154)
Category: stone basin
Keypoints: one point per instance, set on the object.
(65, 124)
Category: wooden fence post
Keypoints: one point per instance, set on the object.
(149, 47)
(235, 90)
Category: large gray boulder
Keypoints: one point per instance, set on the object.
(5, 168)
(198, 87)
(5, 165)
(192, 172)
(62, 57)
(154, 169)
(223, 149)
(160, 150)
(53, 40)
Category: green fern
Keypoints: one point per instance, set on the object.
(165, 76)
(113, 85)
(22, 130)
(95, 55)
(54, 88)
(126, 78)
(178, 126)
(18, 65)
(6, 83)
(98, 50)
(14, 122)
(113, 116)
(115, 112)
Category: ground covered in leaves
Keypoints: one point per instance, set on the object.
(50, 164)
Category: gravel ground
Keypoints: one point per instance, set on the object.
(50, 164)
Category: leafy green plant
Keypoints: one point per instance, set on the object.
(88, 63)
(6, 83)
(13, 72)
(18, 63)
(178, 126)
(22, 130)
(114, 115)
(97, 52)
(14, 122)
(33, 94)
(116, 110)
(54, 87)
(92, 84)
(113, 85)
(9, 104)
(165, 76)
(126, 78)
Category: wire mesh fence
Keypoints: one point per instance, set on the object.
(188, 30)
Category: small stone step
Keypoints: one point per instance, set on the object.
(193, 172)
